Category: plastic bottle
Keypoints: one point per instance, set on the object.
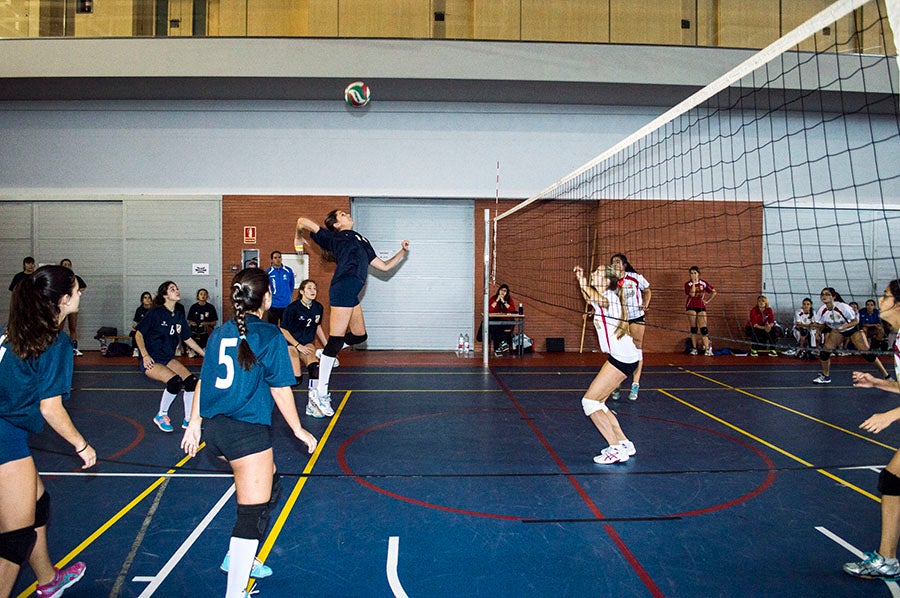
(460, 343)
(466, 344)
(521, 309)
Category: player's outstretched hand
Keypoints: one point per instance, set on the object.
(863, 380)
(877, 422)
(308, 439)
(190, 442)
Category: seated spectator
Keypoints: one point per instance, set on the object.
(870, 322)
(501, 328)
(202, 318)
(804, 331)
(761, 328)
(145, 306)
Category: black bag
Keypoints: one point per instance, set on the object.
(118, 349)
(105, 331)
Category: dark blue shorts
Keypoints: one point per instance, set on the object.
(13, 442)
(345, 293)
(626, 368)
(233, 439)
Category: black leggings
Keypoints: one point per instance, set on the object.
(501, 332)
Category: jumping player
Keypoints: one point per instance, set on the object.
(699, 294)
(36, 363)
(300, 325)
(607, 298)
(353, 255)
(883, 563)
(157, 336)
(251, 374)
(637, 301)
(837, 321)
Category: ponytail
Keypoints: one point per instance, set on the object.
(248, 289)
(615, 284)
(34, 310)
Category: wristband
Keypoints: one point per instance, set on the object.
(82, 449)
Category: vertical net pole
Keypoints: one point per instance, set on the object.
(486, 324)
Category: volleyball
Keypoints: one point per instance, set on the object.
(357, 94)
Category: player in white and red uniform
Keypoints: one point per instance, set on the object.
(607, 299)
(637, 300)
(837, 321)
(699, 294)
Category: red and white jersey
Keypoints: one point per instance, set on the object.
(606, 321)
(839, 315)
(801, 317)
(695, 292)
(634, 285)
(897, 359)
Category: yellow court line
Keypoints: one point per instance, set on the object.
(110, 522)
(794, 411)
(773, 447)
(295, 493)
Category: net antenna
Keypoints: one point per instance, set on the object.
(778, 178)
(587, 304)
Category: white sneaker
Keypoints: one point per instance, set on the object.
(822, 379)
(611, 454)
(77, 353)
(135, 353)
(312, 410)
(628, 447)
(708, 352)
(323, 403)
(614, 395)
(693, 351)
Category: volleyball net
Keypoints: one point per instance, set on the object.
(779, 178)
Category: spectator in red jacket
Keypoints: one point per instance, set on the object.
(762, 328)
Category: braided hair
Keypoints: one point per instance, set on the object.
(34, 310)
(612, 278)
(248, 289)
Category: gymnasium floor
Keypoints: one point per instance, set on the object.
(437, 477)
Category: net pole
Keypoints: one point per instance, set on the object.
(587, 304)
(893, 13)
(486, 324)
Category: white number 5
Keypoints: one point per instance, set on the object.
(227, 361)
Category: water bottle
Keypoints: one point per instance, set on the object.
(521, 309)
(460, 343)
(466, 344)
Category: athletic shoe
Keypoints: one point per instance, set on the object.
(888, 377)
(708, 352)
(789, 352)
(754, 353)
(312, 410)
(323, 403)
(822, 379)
(874, 566)
(614, 395)
(184, 424)
(773, 353)
(191, 354)
(611, 454)
(135, 353)
(632, 396)
(628, 447)
(77, 353)
(163, 423)
(259, 571)
(693, 351)
(62, 580)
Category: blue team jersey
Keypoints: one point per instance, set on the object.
(24, 384)
(302, 321)
(281, 283)
(352, 252)
(866, 318)
(163, 331)
(230, 390)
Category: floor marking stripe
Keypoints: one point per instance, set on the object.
(773, 447)
(163, 573)
(392, 558)
(110, 522)
(892, 585)
(88, 474)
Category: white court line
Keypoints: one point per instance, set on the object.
(93, 474)
(892, 585)
(875, 468)
(392, 557)
(157, 579)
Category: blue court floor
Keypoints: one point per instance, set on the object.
(451, 479)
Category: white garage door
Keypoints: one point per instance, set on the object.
(429, 298)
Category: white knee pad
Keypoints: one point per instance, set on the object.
(591, 406)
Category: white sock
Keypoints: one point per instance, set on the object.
(188, 399)
(165, 402)
(326, 363)
(242, 551)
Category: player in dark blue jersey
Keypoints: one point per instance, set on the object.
(353, 255)
(248, 373)
(157, 336)
(35, 377)
(301, 326)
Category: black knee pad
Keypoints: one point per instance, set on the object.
(824, 355)
(15, 546)
(694, 330)
(352, 339)
(704, 331)
(190, 383)
(870, 357)
(298, 380)
(276, 491)
(252, 521)
(174, 385)
(42, 510)
(334, 346)
(888, 483)
(313, 370)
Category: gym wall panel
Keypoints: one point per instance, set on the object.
(15, 244)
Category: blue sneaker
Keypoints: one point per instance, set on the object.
(874, 566)
(163, 423)
(62, 580)
(259, 570)
(632, 396)
(185, 423)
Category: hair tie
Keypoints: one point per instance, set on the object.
(620, 282)
(243, 337)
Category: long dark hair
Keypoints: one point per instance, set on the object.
(34, 310)
(161, 293)
(248, 289)
(497, 294)
(612, 284)
(330, 221)
(625, 262)
(835, 294)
